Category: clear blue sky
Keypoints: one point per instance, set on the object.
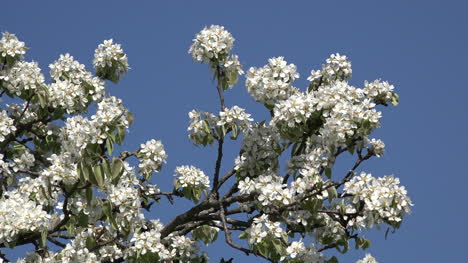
(419, 46)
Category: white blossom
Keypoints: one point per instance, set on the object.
(380, 91)
(234, 117)
(190, 176)
(6, 125)
(22, 77)
(272, 82)
(211, 44)
(110, 62)
(11, 46)
(152, 156)
(259, 151)
(111, 112)
(67, 95)
(367, 259)
(200, 127)
(338, 67)
(382, 196)
(19, 214)
(377, 147)
(67, 68)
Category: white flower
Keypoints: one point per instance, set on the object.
(367, 259)
(200, 127)
(383, 197)
(234, 117)
(190, 176)
(22, 77)
(111, 112)
(67, 68)
(6, 125)
(23, 161)
(295, 249)
(212, 44)
(67, 95)
(110, 62)
(378, 90)
(259, 151)
(78, 132)
(377, 147)
(337, 68)
(19, 214)
(272, 82)
(152, 156)
(62, 168)
(11, 46)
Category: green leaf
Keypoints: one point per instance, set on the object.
(99, 175)
(332, 193)
(117, 170)
(120, 135)
(328, 172)
(43, 238)
(129, 117)
(243, 235)
(71, 227)
(110, 146)
(89, 195)
(278, 245)
(82, 219)
(395, 99)
(107, 209)
(90, 243)
(332, 260)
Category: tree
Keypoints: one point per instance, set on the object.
(67, 192)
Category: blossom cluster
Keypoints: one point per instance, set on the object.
(111, 112)
(200, 127)
(203, 125)
(273, 82)
(68, 96)
(332, 114)
(211, 44)
(152, 156)
(262, 227)
(62, 168)
(377, 147)
(260, 151)
(367, 259)
(23, 161)
(21, 113)
(6, 125)
(78, 132)
(110, 62)
(384, 197)
(66, 68)
(270, 189)
(174, 246)
(190, 176)
(338, 67)
(297, 250)
(235, 116)
(11, 47)
(19, 214)
(22, 77)
(381, 92)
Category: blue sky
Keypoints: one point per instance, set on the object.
(419, 46)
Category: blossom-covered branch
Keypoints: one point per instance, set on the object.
(67, 192)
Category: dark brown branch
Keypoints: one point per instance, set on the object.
(56, 242)
(219, 87)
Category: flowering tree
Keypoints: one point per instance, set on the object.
(65, 191)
